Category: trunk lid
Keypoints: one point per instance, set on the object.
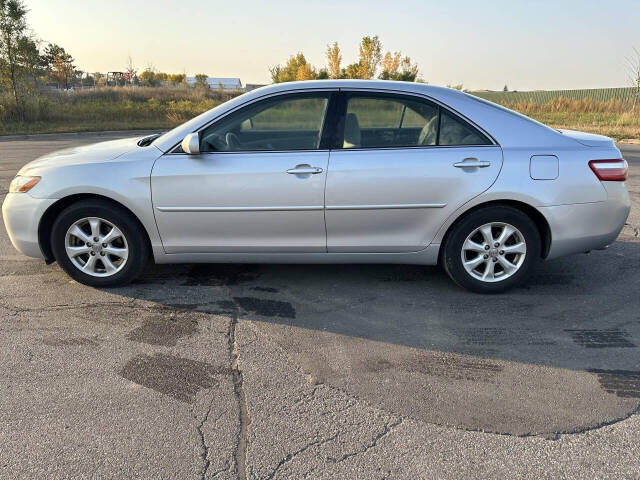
(588, 139)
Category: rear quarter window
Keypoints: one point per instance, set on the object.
(455, 131)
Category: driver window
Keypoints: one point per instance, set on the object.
(290, 122)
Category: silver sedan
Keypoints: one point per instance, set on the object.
(327, 172)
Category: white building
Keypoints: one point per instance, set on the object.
(219, 82)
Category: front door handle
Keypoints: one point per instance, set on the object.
(304, 170)
(471, 163)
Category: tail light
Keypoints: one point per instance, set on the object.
(610, 170)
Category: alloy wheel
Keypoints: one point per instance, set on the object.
(96, 247)
(493, 252)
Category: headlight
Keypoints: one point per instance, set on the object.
(22, 184)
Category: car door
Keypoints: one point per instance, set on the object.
(402, 166)
(256, 186)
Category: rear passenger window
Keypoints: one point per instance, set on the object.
(455, 131)
(378, 121)
(387, 120)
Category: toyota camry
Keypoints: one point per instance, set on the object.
(341, 171)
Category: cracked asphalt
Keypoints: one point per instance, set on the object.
(319, 371)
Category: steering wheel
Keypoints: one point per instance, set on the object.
(233, 142)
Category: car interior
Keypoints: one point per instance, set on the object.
(295, 123)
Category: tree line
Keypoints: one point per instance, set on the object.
(371, 62)
(26, 66)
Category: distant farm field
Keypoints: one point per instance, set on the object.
(608, 111)
(614, 112)
(540, 97)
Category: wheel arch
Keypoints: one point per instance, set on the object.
(50, 215)
(533, 213)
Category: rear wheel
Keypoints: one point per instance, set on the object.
(99, 244)
(492, 249)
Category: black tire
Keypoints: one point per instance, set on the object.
(133, 232)
(452, 250)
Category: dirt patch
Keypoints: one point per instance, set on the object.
(177, 377)
(163, 330)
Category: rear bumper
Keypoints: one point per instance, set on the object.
(22, 214)
(581, 227)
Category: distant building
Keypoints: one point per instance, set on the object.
(219, 82)
(252, 86)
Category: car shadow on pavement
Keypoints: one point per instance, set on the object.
(559, 354)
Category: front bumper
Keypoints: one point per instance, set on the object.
(581, 227)
(22, 214)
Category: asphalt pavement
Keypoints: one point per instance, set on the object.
(319, 371)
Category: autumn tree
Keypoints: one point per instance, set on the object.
(177, 79)
(148, 77)
(201, 80)
(63, 69)
(370, 50)
(334, 59)
(397, 67)
(390, 65)
(296, 68)
(353, 70)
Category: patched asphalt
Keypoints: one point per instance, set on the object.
(319, 371)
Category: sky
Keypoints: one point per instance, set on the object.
(526, 45)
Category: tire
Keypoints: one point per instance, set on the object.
(99, 264)
(473, 266)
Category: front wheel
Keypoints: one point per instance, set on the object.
(99, 244)
(492, 249)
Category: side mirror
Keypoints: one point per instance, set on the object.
(191, 144)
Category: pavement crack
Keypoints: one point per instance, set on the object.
(388, 428)
(291, 456)
(203, 444)
(240, 453)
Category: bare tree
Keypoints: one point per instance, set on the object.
(130, 71)
(633, 64)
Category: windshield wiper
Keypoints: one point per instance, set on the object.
(146, 141)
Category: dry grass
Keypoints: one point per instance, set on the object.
(114, 108)
(109, 109)
(611, 118)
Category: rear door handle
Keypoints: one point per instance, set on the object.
(304, 170)
(471, 163)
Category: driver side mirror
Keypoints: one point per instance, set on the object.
(191, 144)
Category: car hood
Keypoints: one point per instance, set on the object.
(588, 139)
(97, 152)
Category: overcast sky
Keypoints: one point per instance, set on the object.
(482, 44)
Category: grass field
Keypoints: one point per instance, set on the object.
(110, 109)
(608, 112)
